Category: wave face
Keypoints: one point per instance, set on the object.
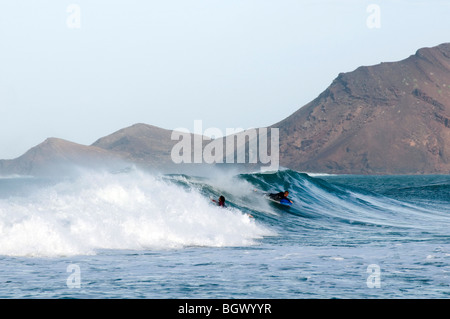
(333, 210)
(137, 211)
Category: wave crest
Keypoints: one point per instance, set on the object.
(118, 211)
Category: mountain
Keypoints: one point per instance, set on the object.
(55, 155)
(391, 118)
(139, 143)
(150, 147)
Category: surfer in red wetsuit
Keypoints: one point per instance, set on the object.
(221, 201)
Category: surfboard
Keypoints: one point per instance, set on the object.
(283, 201)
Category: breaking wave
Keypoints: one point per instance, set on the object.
(135, 210)
(116, 211)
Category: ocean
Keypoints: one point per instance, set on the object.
(134, 234)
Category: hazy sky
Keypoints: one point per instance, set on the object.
(80, 70)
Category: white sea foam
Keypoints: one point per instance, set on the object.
(118, 211)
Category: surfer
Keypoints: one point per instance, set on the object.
(279, 196)
(220, 202)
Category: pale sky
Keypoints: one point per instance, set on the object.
(80, 70)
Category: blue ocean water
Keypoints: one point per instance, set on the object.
(138, 235)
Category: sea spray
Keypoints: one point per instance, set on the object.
(133, 210)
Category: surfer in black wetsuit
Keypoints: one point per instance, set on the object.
(220, 202)
(279, 196)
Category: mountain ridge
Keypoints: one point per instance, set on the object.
(389, 118)
(54, 155)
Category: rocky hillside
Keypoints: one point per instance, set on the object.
(56, 155)
(391, 118)
(139, 143)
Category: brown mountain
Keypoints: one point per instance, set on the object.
(55, 155)
(142, 145)
(139, 143)
(146, 146)
(391, 118)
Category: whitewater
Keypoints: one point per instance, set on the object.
(134, 234)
